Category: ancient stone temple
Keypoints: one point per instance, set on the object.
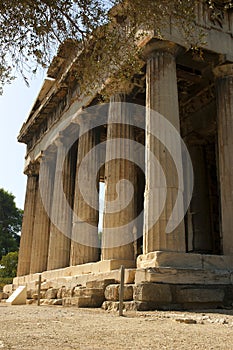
(68, 134)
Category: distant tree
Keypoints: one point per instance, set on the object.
(10, 223)
(8, 265)
(32, 30)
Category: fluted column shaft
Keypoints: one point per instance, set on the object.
(61, 212)
(162, 97)
(84, 240)
(118, 243)
(224, 85)
(28, 222)
(41, 229)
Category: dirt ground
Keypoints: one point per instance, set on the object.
(55, 327)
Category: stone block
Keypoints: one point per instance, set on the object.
(35, 296)
(169, 259)
(96, 267)
(83, 291)
(46, 285)
(129, 276)
(218, 262)
(185, 260)
(18, 297)
(83, 301)
(146, 306)
(25, 280)
(59, 282)
(153, 292)
(101, 266)
(64, 292)
(51, 293)
(77, 275)
(112, 292)
(182, 276)
(100, 284)
(51, 274)
(198, 295)
(128, 306)
(57, 302)
(61, 293)
(34, 293)
(111, 306)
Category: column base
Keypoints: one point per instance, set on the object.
(185, 260)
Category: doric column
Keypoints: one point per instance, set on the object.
(25, 250)
(118, 235)
(61, 212)
(224, 86)
(40, 242)
(84, 240)
(162, 97)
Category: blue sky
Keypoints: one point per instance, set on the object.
(15, 104)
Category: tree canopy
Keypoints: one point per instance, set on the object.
(8, 265)
(10, 223)
(32, 30)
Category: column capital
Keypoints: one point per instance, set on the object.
(157, 46)
(60, 140)
(33, 168)
(47, 156)
(85, 120)
(75, 118)
(225, 70)
(82, 118)
(50, 152)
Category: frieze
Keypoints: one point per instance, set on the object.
(49, 120)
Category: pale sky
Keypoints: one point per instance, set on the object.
(15, 104)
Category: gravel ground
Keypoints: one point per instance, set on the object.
(54, 327)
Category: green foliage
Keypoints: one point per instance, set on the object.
(4, 281)
(8, 265)
(10, 223)
(32, 30)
